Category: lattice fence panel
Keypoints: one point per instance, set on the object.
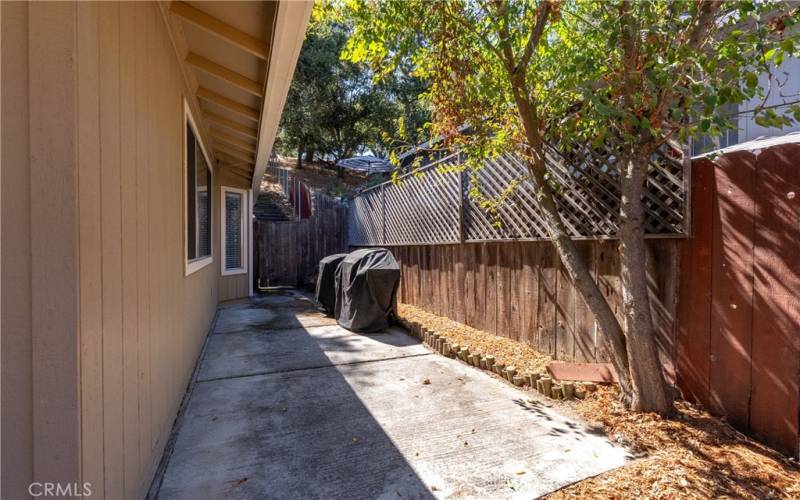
(365, 219)
(423, 209)
(433, 206)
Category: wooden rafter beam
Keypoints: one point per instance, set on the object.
(232, 35)
(244, 170)
(239, 167)
(237, 127)
(229, 104)
(229, 152)
(232, 156)
(233, 152)
(236, 165)
(237, 173)
(232, 141)
(225, 74)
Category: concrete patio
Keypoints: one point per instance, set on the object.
(289, 405)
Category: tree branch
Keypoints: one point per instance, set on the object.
(542, 15)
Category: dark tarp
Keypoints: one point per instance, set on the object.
(366, 289)
(326, 281)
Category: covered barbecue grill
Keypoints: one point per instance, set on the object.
(326, 281)
(366, 290)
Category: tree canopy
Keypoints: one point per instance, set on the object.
(335, 109)
(622, 77)
(594, 69)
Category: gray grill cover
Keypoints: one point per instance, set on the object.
(326, 281)
(366, 289)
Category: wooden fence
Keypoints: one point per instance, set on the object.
(287, 253)
(520, 290)
(738, 334)
(726, 300)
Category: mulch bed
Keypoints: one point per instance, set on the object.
(691, 455)
(506, 351)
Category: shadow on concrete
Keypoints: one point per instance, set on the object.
(562, 427)
(295, 432)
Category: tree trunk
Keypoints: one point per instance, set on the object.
(650, 391)
(584, 282)
(310, 155)
(614, 336)
(299, 164)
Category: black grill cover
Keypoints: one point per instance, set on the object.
(366, 288)
(326, 281)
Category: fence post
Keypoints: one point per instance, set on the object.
(461, 198)
(383, 214)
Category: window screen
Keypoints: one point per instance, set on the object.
(198, 196)
(233, 230)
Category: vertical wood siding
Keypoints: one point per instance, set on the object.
(143, 321)
(108, 328)
(17, 335)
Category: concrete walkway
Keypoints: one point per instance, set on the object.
(289, 405)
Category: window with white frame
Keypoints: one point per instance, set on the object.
(234, 230)
(198, 182)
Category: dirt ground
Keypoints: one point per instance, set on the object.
(691, 455)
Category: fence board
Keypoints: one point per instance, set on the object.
(287, 253)
(490, 305)
(521, 291)
(775, 400)
(743, 362)
(694, 306)
(608, 267)
(584, 320)
(530, 295)
(503, 276)
(459, 255)
(547, 298)
(470, 300)
(732, 287)
(515, 275)
(565, 315)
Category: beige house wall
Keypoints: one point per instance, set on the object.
(101, 328)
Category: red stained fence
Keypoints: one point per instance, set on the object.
(738, 328)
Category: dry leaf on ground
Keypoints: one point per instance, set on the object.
(692, 455)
